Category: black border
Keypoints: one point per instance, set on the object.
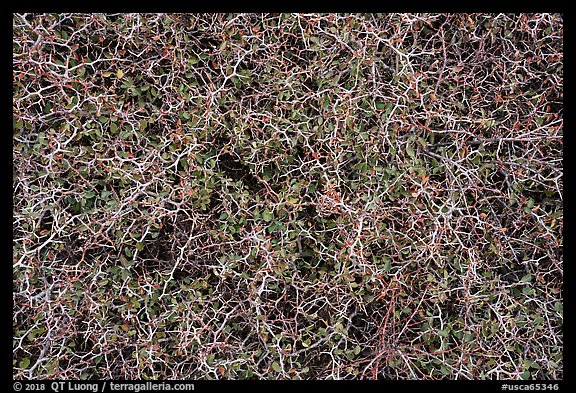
(310, 6)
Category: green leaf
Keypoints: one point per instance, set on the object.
(527, 290)
(539, 120)
(32, 335)
(559, 307)
(139, 246)
(529, 363)
(267, 215)
(410, 151)
(52, 366)
(135, 302)
(128, 252)
(276, 367)
(24, 363)
(120, 74)
(526, 278)
(106, 74)
(469, 337)
(387, 265)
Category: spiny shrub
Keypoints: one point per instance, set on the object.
(304, 196)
